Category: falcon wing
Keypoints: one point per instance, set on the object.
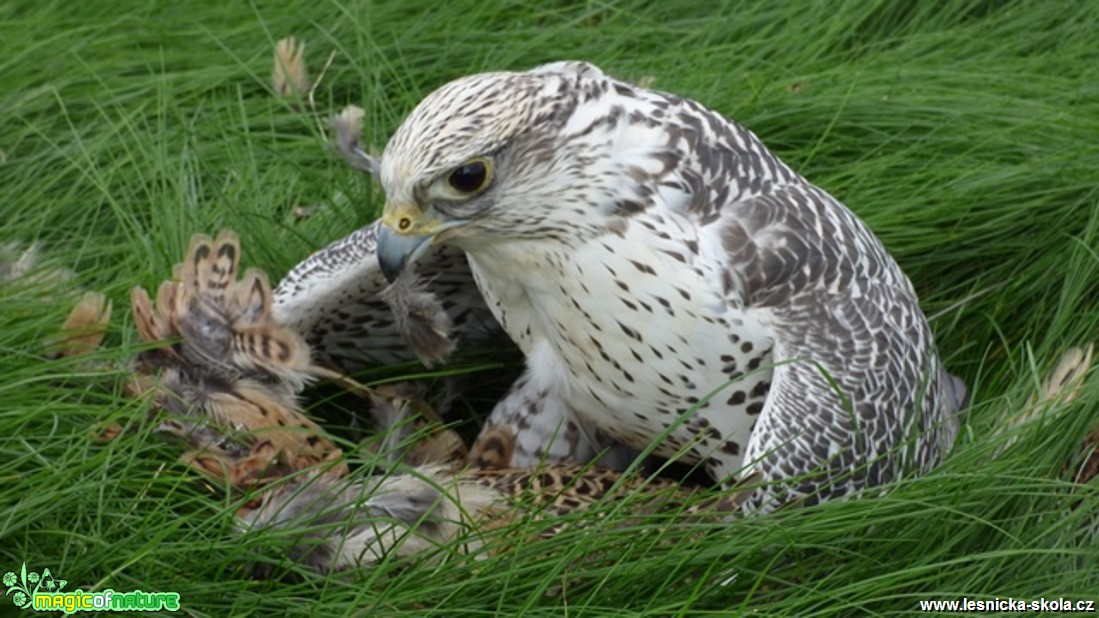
(339, 301)
(850, 343)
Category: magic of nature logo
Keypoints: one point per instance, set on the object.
(44, 593)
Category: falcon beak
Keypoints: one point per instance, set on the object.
(403, 237)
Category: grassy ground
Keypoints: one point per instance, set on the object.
(965, 133)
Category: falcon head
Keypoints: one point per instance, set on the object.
(484, 159)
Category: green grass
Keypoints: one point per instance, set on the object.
(965, 133)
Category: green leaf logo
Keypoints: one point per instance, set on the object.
(22, 587)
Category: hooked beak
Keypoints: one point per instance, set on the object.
(405, 235)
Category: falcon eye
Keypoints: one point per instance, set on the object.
(471, 177)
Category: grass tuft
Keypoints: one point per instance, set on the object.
(965, 132)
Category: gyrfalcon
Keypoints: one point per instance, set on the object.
(669, 279)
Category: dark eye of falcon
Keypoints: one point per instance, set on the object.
(471, 177)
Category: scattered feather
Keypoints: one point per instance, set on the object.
(347, 127)
(1061, 386)
(290, 77)
(84, 328)
(421, 320)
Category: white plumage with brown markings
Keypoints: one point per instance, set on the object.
(667, 276)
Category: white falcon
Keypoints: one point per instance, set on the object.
(669, 279)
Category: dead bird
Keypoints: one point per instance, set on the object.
(228, 375)
(335, 524)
